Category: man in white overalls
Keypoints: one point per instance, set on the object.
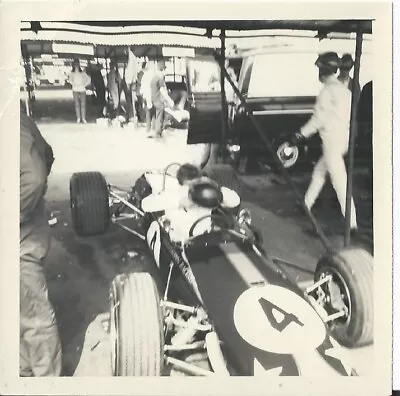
(331, 119)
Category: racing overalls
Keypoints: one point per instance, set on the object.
(40, 348)
(331, 119)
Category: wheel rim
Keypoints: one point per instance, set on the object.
(287, 154)
(114, 328)
(339, 281)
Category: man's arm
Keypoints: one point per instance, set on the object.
(164, 92)
(320, 116)
(33, 177)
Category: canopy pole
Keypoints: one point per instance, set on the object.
(224, 113)
(352, 136)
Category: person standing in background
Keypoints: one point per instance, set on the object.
(114, 85)
(140, 109)
(331, 119)
(129, 86)
(40, 346)
(79, 81)
(159, 98)
(145, 92)
(346, 64)
(98, 87)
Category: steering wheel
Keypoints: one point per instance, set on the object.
(199, 220)
(165, 173)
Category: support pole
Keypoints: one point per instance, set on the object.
(352, 137)
(224, 105)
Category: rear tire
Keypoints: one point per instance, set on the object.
(136, 326)
(354, 268)
(89, 203)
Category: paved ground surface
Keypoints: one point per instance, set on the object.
(81, 269)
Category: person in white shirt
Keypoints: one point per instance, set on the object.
(145, 92)
(331, 119)
(79, 81)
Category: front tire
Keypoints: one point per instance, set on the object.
(136, 326)
(89, 203)
(352, 271)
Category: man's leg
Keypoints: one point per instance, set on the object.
(149, 116)
(316, 184)
(40, 347)
(337, 170)
(159, 121)
(77, 106)
(83, 105)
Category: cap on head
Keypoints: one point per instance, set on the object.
(346, 63)
(328, 62)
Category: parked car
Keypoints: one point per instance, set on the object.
(280, 86)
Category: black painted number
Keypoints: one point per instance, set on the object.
(288, 318)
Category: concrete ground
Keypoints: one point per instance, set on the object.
(80, 269)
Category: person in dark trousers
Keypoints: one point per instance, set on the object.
(159, 98)
(99, 87)
(140, 105)
(40, 347)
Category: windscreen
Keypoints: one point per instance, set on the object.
(284, 75)
(204, 76)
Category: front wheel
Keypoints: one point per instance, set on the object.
(136, 327)
(351, 291)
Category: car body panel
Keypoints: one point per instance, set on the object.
(242, 292)
(204, 97)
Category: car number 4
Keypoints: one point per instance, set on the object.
(275, 319)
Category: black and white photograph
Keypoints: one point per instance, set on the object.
(200, 197)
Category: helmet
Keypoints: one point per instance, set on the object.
(346, 62)
(328, 60)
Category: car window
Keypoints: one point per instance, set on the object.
(284, 74)
(244, 79)
(204, 76)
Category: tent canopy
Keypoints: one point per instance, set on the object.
(322, 26)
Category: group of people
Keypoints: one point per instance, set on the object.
(145, 92)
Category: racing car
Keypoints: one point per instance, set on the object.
(218, 294)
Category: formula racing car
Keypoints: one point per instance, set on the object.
(220, 296)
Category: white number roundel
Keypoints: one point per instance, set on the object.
(154, 240)
(277, 320)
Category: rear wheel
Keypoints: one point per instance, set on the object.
(351, 289)
(136, 327)
(89, 203)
